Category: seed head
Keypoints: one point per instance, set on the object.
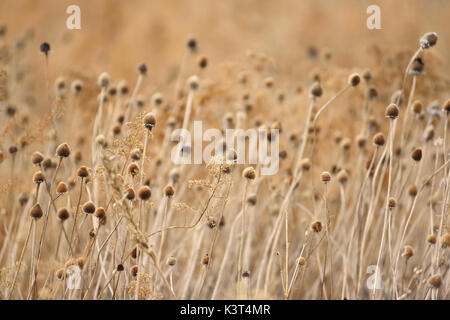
(76, 87)
(408, 252)
(301, 261)
(392, 203)
(104, 79)
(144, 193)
(191, 43)
(428, 40)
(83, 172)
(305, 164)
(131, 194)
(325, 177)
(342, 177)
(354, 79)
(392, 111)
(169, 191)
(89, 207)
(446, 106)
(13, 149)
(45, 48)
(428, 134)
(315, 91)
(133, 169)
(100, 213)
(38, 177)
(202, 62)
(205, 260)
(120, 267)
(63, 150)
(435, 281)
(36, 211)
(63, 214)
(445, 240)
(417, 107)
(431, 239)
(412, 191)
(249, 173)
(134, 271)
(193, 82)
(142, 69)
(149, 121)
(379, 140)
(316, 226)
(62, 188)
(416, 155)
(171, 261)
(37, 158)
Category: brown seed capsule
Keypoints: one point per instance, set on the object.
(246, 274)
(133, 169)
(44, 48)
(416, 155)
(249, 173)
(60, 274)
(417, 107)
(202, 62)
(315, 91)
(354, 79)
(100, 213)
(149, 121)
(36, 211)
(13, 149)
(301, 261)
(391, 111)
(445, 240)
(305, 164)
(62, 188)
(372, 93)
(325, 177)
(342, 177)
(23, 198)
(412, 191)
(435, 281)
(83, 172)
(63, 150)
(446, 106)
(316, 226)
(89, 207)
(144, 193)
(131, 194)
(428, 40)
(120, 267)
(431, 239)
(379, 140)
(408, 252)
(142, 69)
(428, 134)
(134, 271)
(37, 158)
(63, 214)
(205, 260)
(169, 191)
(392, 203)
(171, 261)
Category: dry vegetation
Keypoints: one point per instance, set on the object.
(87, 183)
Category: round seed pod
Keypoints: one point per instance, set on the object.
(142, 69)
(428, 134)
(305, 164)
(169, 191)
(36, 212)
(89, 207)
(251, 199)
(149, 121)
(133, 169)
(315, 91)
(372, 93)
(131, 194)
(134, 271)
(37, 158)
(408, 252)
(62, 188)
(445, 240)
(354, 79)
(416, 155)
(446, 106)
(428, 40)
(123, 88)
(63, 214)
(191, 43)
(12, 149)
(325, 177)
(60, 274)
(44, 48)
(193, 83)
(76, 87)
(120, 267)
(417, 107)
(144, 193)
(246, 274)
(83, 172)
(136, 154)
(63, 150)
(249, 173)
(392, 111)
(301, 261)
(316, 226)
(100, 213)
(205, 260)
(342, 177)
(435, 281)
(379, 140)
(171, 261)
(431, 239)
(392, 203)
(38, 177)
(412, 191)
(104, 79)
(23, 198)
(202, 62)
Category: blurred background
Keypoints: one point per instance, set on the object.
(116, 35)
